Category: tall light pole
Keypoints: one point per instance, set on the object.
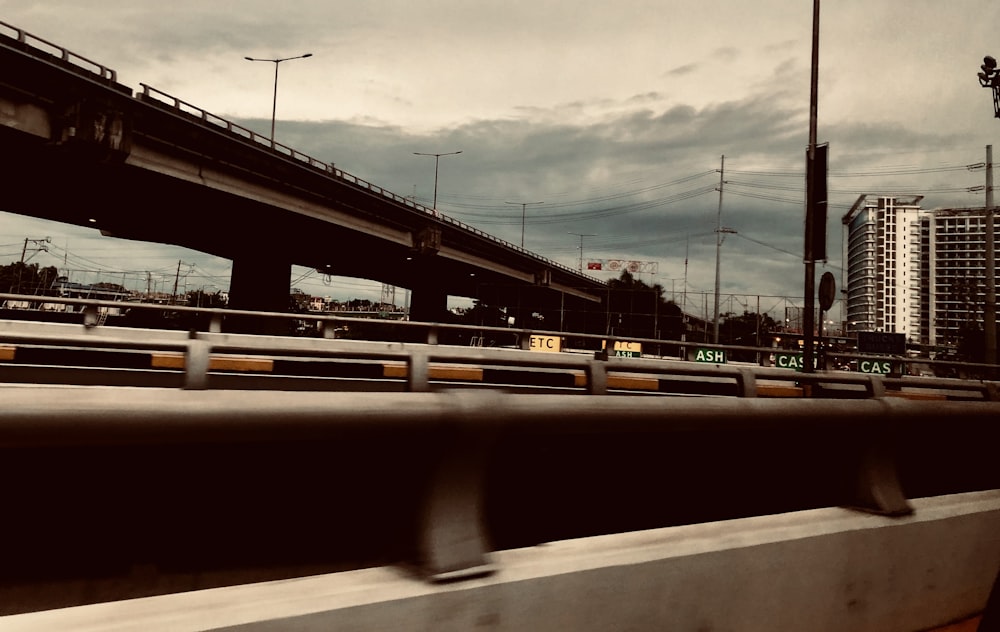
(990, 308)
(437, 158)
(989, 77)
(274, 102)
(809, 317)
(523, 205)
(581, 236)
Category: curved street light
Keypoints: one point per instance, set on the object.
(437, 157)
(274, 103)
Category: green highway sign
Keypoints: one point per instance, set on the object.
(791, 361)
(883, 367)
(713, 356)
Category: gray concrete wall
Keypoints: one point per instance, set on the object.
(826, 569)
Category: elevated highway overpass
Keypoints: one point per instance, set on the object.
(81, 148)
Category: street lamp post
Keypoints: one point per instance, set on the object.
(274, 102)
(809, 316)
(990, 308)
(989, 77)
(437, 158)
(523, 205)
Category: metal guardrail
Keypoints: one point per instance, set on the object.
(199, 348)
(449, 470)
(57, 51)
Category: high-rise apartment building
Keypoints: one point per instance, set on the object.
(882, 244)
(957, 271)
(918, 272)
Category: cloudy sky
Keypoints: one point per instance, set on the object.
(614, 115)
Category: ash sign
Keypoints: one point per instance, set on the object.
(881, 343)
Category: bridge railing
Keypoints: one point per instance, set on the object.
(150, 93)
(57, 51)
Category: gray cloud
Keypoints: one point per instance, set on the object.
(569, 104)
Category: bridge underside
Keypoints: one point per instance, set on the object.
(64, 184)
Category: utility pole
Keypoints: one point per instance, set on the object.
(173, 297)
(990, 309)
(719, 230)
(684, 289)
(40, 246)
(20, 268)
(581, 236)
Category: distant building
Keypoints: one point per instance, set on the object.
(957, 268)
(65, 288)
(918, 272)
(882, 249)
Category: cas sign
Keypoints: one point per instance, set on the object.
(791, 361)
(883, 367)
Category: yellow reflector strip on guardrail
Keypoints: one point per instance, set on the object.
(215, 363)
(7, 352)
(633, 383)
(436, 372)
(624, 382)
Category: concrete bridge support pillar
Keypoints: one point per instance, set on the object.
(260, 284)
(428, 304)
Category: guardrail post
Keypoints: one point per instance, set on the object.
(877, 489)
(597, 377)
(90, 316)
(746, 383)
(418, 372)
(432, 335)
(453, 542)
(327, 329)
(991, 392)
(196, 359)
(875, 386)
(524, 340)
(215, 324)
